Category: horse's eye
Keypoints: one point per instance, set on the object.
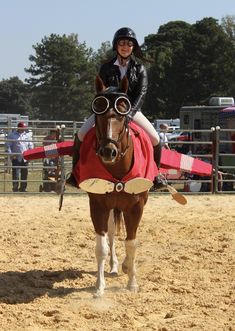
(100, 105)
(122, 105)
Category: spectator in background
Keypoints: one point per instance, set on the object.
(51, 164)
(50, 138)
(18, 142)
(163, 135)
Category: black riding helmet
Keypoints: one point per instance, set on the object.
(127, 33)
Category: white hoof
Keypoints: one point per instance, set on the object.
(113, 273)
(133, 288)
(98, 294)
(132, 285)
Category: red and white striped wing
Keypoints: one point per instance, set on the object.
(174, 160)
(49, 151)
(169, 159)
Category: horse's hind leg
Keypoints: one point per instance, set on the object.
(101, 252)
(111, 235)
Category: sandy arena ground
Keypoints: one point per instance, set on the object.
(185, 264)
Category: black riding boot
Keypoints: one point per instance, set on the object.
(160, 181)
(76, 154)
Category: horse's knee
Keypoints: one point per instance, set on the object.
(128, 265)
(102, 247)
(131, 247)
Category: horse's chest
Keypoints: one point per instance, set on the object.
(119, 200)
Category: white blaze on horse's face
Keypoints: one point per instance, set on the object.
(113, 129)
(109, 151)
(109, 129)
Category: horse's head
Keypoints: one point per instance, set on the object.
(111, 106)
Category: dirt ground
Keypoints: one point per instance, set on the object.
(185, 264)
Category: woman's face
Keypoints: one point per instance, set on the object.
(125, 47)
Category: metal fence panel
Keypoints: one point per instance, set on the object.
(216, 150)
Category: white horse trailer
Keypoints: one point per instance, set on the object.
(205, 117)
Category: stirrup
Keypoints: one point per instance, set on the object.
(160, 183)
(59, 187)
(71, 180)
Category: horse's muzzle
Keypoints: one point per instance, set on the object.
(108, 153)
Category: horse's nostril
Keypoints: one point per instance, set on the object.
(114, 153)
(108, 153)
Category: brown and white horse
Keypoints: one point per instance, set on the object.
(114, 147)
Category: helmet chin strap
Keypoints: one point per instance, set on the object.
(123, 59)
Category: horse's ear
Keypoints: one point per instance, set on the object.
(99, 84)
(124, 85)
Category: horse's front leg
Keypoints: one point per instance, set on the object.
(100, 216)
(101, 252)
(132, 219)
(111, 235)
(128, 265)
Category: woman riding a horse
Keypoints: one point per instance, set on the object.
(124, 64)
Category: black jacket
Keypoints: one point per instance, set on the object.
(137, 77)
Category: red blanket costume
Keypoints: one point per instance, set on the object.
(90, 166)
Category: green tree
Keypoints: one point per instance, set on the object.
(228, 25)
(62, 78)
(103, 54)
(165, 75)
(192, 63)
(209, 62)
(14, 97)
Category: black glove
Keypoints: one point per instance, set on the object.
(129, 118)
(157, 152)
(131, 115)
(160, 182)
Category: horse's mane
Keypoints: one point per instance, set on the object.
(112, 90)
(101, 88)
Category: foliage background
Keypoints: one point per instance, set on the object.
(190, 63)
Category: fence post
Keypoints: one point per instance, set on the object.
(215, 157)
(62, 174)
(74, 128)
(213, 161)
(9, 165)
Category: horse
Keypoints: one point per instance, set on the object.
(115, 150)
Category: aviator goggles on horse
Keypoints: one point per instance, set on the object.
(117, 101)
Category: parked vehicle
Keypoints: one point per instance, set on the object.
(180, 136)
(173, 124)
(204, 117)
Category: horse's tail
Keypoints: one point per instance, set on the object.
(119, 221)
